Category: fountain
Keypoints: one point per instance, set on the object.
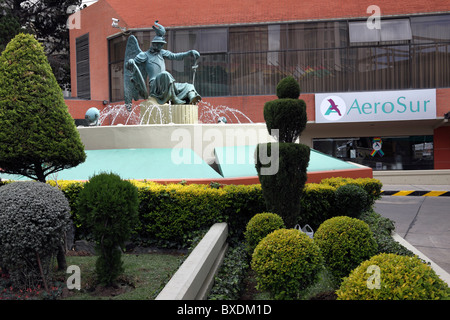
(170, 134)
(150, 112)
(212, 114)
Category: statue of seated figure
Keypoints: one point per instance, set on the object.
(140, 65)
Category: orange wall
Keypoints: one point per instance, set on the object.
(78, 108)
(442, 101)
(251, 106)
(95, 20)
(142, 13)
(442, 148)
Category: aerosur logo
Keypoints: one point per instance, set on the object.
(333, 108)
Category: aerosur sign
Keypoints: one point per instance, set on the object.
(376, 106)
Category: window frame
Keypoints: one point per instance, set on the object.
(83, 91)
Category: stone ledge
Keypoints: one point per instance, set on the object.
(195, 277)
(413, 177)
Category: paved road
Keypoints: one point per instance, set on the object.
(422, 221)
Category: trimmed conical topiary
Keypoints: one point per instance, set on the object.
(38, 136)
(285, 120)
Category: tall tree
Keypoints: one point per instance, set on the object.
(47, 20)
(38, 136)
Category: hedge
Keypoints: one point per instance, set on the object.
(170, 214)
(372, 186)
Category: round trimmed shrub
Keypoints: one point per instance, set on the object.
(33, 219)
(393, 277)
(286, 262)
(345, 242)
(259, 226)
(108, 206)
(351, 200)
(288, 88)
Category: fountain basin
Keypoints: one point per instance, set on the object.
(195, 153)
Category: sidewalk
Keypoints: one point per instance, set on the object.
(423, 219)
(440, 187)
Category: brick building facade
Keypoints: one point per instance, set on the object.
(247, 46)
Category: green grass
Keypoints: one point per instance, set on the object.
(144, 277)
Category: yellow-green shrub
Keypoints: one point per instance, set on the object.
(317, 204)
(169, 213)
(260, 226)
(71, 190)
(285, 262)
(372, 186)
(398, 278)
(345, 242)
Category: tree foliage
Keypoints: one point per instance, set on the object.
(38, 136)
(46, 19)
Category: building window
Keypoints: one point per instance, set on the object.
(395, 153)
(390, 30)
(83, 72)
(117, 47)
(431, 29)
(326, 56)
(212, 73)
(116, 64)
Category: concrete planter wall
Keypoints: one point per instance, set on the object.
(195, 277)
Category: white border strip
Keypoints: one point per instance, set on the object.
(439, 271)
(194, 278)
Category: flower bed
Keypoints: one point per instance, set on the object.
(244, 283)
(171, 215)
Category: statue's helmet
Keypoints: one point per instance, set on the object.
(160, 33)
(159, 39)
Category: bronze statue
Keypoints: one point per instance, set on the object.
(162, 86)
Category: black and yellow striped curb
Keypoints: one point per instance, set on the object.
(422, 193)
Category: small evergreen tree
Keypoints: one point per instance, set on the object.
(38, 136)
(108, 206)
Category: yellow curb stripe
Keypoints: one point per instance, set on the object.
(403, 193)
(434, 193)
